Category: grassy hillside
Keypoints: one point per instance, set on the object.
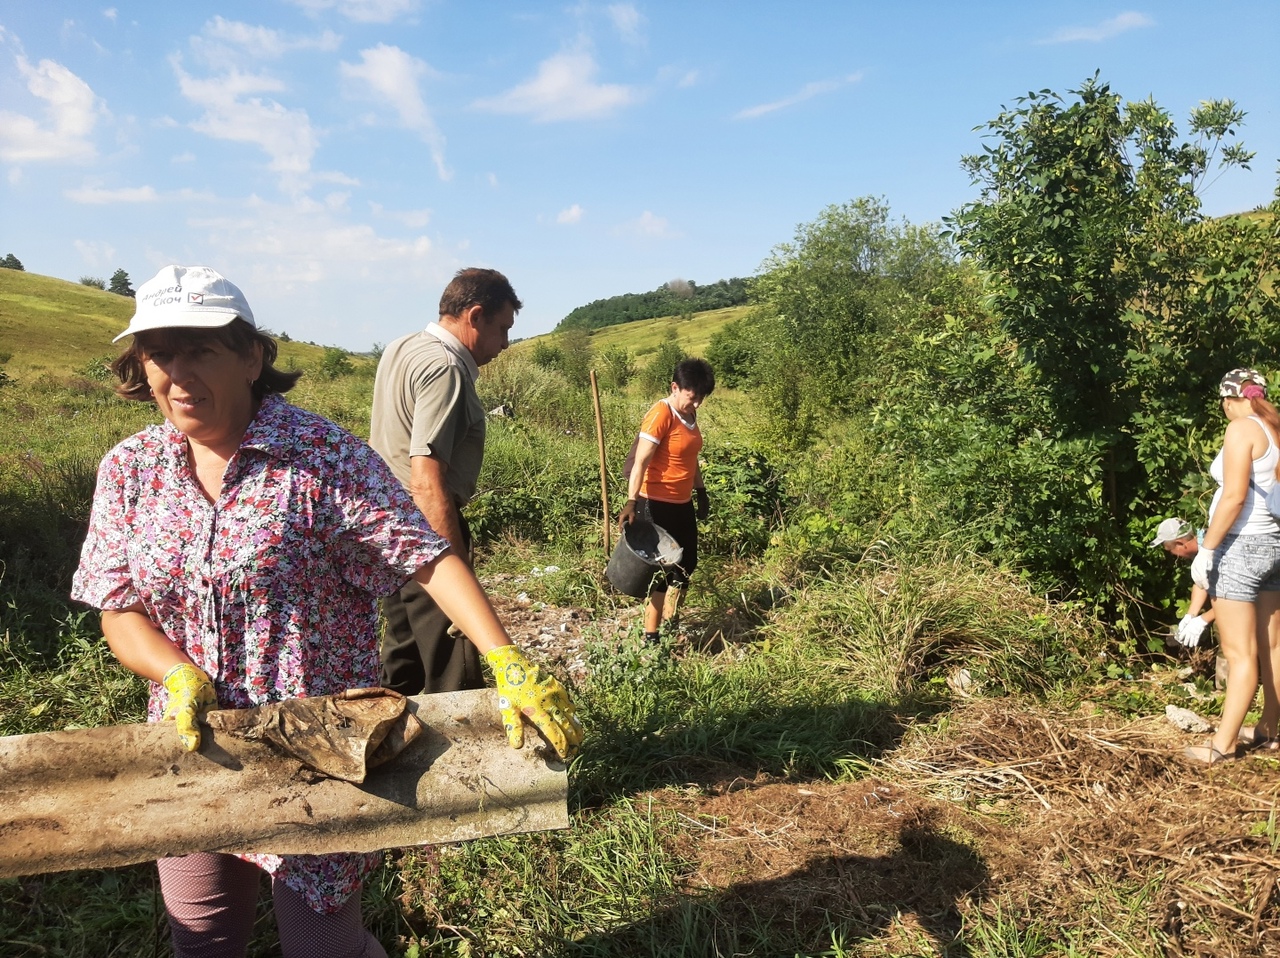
(55, 327)
(643, 336)
(59, 404)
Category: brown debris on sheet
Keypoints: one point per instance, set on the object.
(339, 736)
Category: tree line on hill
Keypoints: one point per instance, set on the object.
(120, 282)
(679, 297)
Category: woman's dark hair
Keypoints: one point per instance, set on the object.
(237, 336)
(695, 374)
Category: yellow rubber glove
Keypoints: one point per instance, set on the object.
(191, 694)
(525, 690)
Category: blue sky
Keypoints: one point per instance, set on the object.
(340, 159)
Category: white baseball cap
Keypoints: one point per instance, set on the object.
(1170, 530)
(187, 296)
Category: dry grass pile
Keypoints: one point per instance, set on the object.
(1107, 811)
(1010, 829)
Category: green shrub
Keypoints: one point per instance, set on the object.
(655, 378)
(747, 504)
(334, 364)
(617, 368)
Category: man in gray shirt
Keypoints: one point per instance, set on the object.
(428, 425)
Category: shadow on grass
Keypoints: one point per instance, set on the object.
(712, 747)
(827, 907)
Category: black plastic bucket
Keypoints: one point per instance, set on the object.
(643, 549)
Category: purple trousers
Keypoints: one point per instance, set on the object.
(211, 899)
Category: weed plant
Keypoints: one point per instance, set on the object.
(78, 685)
(903, 623)
(660, 720)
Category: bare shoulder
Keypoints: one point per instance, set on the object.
(1246, 431)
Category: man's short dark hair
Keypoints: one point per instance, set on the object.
(695, 374)
(487, 288)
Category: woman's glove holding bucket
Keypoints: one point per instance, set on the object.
(524, 690)
(703, 508)
(627, 515)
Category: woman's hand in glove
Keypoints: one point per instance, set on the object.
(526, 692)
(704, 504)
(191, 694)
(1190, 629)
(627, 515)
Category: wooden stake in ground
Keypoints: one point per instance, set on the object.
(604, 468)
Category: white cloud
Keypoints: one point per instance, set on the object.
(94, 195)
(306, 239)
(413, 219)
(392, 76)
(808, 91)
(648, 226)
(628, 21)
(361, 11)
(96, 255)
(688, 80)
(1106, 30)
(71, 112)
(110, 13)
(564, 89)
(232, 112)
(571, 215)
(258, 43)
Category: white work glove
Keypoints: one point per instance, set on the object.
(1201, 565)
(1190, 629)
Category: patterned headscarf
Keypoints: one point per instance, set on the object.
(1243, 384)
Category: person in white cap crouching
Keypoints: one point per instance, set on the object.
(1180, 540)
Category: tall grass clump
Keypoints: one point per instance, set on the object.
(706, 720)
(906, 622)
(44, 512)
(535, 894)
(535, 394)
(80, 685)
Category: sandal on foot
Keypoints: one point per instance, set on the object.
(1251, 739)
(1206, 754)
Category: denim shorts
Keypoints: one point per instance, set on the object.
(1245, 566)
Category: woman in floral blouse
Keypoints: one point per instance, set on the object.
(237, 551)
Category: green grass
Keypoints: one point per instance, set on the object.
(644, 336)
(59, 329)
(811, 685)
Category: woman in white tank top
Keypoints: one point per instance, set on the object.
(1239, 563)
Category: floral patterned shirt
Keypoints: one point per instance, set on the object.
(272, 589)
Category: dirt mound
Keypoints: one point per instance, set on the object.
(554, 635)
(1012, 810)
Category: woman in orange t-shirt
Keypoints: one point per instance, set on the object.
(665, 478)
